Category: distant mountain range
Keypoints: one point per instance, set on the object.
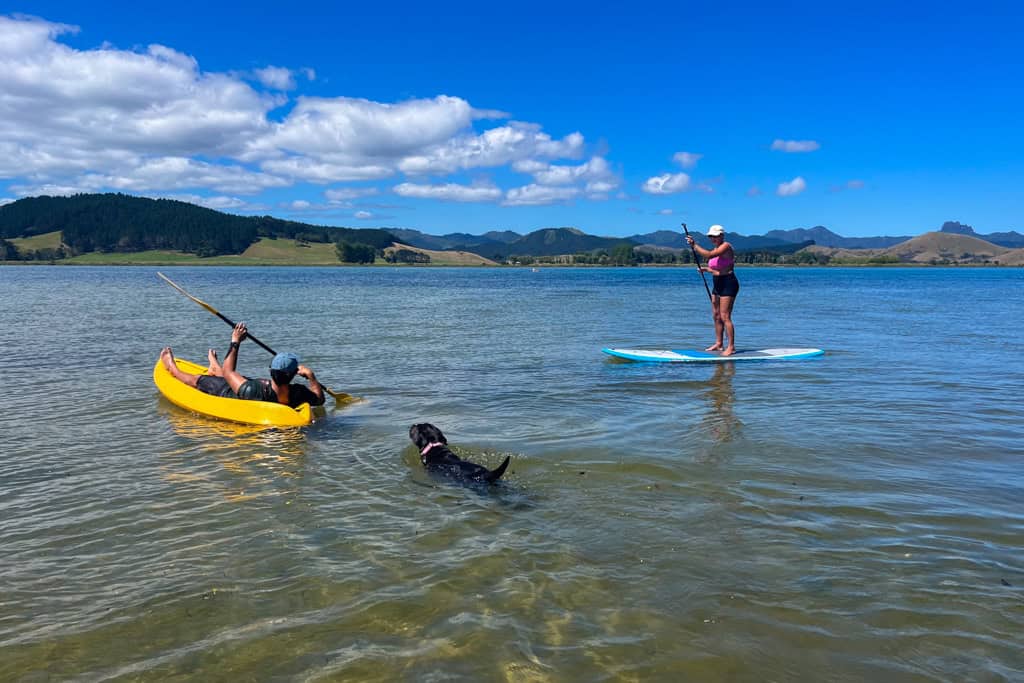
(501, 245)
(556, 241)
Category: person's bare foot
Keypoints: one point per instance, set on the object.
(729, 350)
(214, 367)
(714, 347)
(167, 358)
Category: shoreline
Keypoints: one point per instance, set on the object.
(268, 264)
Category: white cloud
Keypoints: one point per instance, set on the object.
(668, 183)
(321, 172)
(686, 159)
(276, 77)
(6, 200)
(596, 170)
(321, 126)
(855, 185)
(150, 120)
(452, 192)
(220, 202)
(346, 193)
(792, 187)
(363, 215)
(601, 186)
(515, 142)
(539, 195)
(794, 145)
(665, 212)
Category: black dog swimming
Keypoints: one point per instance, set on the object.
(438, 458)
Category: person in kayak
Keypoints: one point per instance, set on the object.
(224, 380)
(721, 259)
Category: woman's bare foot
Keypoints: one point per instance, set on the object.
(167, 358)
(729, 350)
(714, 347)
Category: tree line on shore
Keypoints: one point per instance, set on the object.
(119, 223)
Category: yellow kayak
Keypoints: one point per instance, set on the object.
(233, 409)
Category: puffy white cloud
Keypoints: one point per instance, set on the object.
(150, 119)
(165, 173)
(346, 193)
(276, 77)
(601, 186)
(219, 202)
(6, 200)
(356, 127)
(667, 183)
(594, 171)
(325, 171)
(779, 145)
(792, 187)
(515, 142)
(686, 159)
(450, 192)
(539, 195)
(363, 215)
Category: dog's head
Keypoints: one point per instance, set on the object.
(424, 434)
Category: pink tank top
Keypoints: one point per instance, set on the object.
(721, 263)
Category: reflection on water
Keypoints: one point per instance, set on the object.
(720, 421)
(255, 455)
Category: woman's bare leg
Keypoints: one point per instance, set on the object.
(725, 315)
(717, 346)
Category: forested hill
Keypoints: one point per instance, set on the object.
(123, 223)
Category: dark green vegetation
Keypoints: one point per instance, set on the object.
(118, 224)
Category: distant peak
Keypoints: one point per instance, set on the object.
(957, 227)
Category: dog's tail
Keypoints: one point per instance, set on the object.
(495, 474)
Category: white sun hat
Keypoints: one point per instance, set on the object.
(716, 231)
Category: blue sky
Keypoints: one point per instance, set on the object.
(868, 119)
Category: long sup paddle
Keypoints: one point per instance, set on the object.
(336, 395)
(696, 259)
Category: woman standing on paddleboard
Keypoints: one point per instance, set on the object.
(721, 260)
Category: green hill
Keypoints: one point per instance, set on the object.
(118, 223)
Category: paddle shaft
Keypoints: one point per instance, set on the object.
(696, 259)
(229, 321)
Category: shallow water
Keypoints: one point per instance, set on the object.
(852, 517)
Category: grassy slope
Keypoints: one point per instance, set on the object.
(266, 252)
(447, 258)
(50, 240)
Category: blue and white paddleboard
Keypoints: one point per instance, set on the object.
(695, 356)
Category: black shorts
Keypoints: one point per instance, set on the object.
(726, 285)
(216, 386)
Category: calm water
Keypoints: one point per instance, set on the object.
(854, 517)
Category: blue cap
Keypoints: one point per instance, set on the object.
(288, 362)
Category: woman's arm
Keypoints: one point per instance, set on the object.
(722, 248)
